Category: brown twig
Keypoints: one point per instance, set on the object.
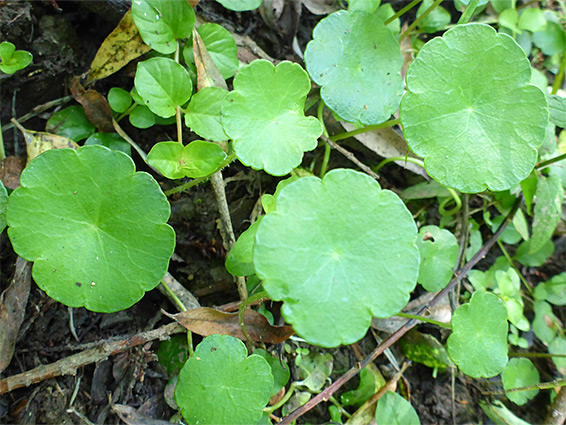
(69, 365)
(351, 157)
(403, 329)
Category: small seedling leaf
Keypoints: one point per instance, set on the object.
(478, 123)
(270, 135)
(520, 372)
(439, 253)
(163, 84)
(478, 344)
(328, 253)
(357, 62)
(220, 384)
(395, 410)
(102, 239)
(12, 60)
(203, 114)
(240, 5)
(71, 123)
(162, 22)
(207, 321)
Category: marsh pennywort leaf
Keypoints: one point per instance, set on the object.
(221, 384)
(162, 22)
(470, 112)
(329, 254)
(395, 410)
(478, 344)
(356, 60)
(203, 114)
(552, 40)
(70, 122)
(239, 261)
(94, 227)
(112, 141)
(163, 84)
(545, 323)
(279, 369)
(142, 117)
(520, 372)
(240, 5)
(270, 135)
(175, 161)
(439, 253)
(119, 99)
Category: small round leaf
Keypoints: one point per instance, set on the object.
(70, 122)
(163, 84)
(520, 372)
(270, 135)
(329, 253)
(142, 117)
(356, 60)
(470, 111)
(119, 99)
(478, 344)
(439, 253)
(393, 409)
(222, 48)
(240, 5)
(95, 229)
(112, 141)
(220, 384)
(162, 22)
(203, 114)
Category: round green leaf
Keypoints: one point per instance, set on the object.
(478, 344)
(356, 60)
(280, 372)
(470, 112)
(70, 122)
(203, 114)
(175, 161)
(270, 135)
(12, 60)
(173, 353)
(558, 346)
(520, 372)
(532, 19)
(112, 141)
(545, 323)
(239, 261)
(393, 409)
(220, 384)
(329, 253)
(162, 22)
(119, 99)
(163, 84)
(3, 206)
(95, 229)
(142, 117)
(7, 49)
(240, 5)
(439, 253)
(435, 21)
(556, 289)
(222, 48)
(552, 40)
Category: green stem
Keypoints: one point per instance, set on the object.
(335, 402)
(398, 158)
(126, 112)
(541, 386)
(402, 11)
(510, 261)
(536, 355)
(468, 12)
(178, 108)
(550, 161)
(326, 158)
(284, 400)
(182, 308)
(194, 182)
(424, 319)
(242, 310)
(457, 201)
(130, 141)
(419, 20)
(342, 136)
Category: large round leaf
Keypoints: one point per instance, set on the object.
(163, 84)
(220, 384)
(265, 119)
(95, 229)
(162, 22)
(337, 251)
(356, 60)
(478, 344)
(470, 111)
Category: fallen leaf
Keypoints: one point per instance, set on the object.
(96, 106)
(123, 45)
(386, 142)
(38, 142)
(320, 7)
(132, 417)
(208, 74)
(13, 303)
(208, 321)
(10, 171)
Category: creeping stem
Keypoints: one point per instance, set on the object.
(419, 20)
(367, 128)
(327, 149)
(402, 11)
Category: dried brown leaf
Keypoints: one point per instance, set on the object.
(208, 321)
(96, 106)
(10, 171)
(123, 45)
(208, 74)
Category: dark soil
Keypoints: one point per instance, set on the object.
(63, 43)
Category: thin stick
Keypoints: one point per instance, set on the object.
(69, 365)
(403, 329)
(351, 157)
(38, 110)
